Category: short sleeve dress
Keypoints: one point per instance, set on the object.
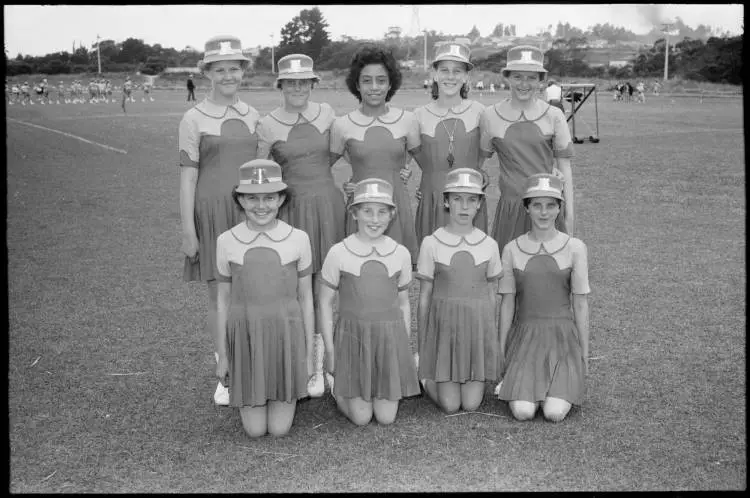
(216, 139)
(435, 127)
(300, 144)
(525, 146)
(377, 147)
(373, 359)
(265, 332)
(459, 342)
(543, 354)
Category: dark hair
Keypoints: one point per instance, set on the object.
(373, 54)
(236, 197)
(278, 83)
(527, 201)
(446, 200)
(436, 92)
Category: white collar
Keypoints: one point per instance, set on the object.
(214, 110)
(384, 247)
(245, 235)
(449, 239)
(392, 115)
(457, 109)
(528, 246)
(310, 114)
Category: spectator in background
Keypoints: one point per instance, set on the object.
(190, 89)
(553, 94)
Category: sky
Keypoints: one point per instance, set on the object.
(39, 30)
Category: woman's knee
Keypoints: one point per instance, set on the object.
(472, 394)
(360, 411)
(385, 411)
(280, 417)
(523, 410)
(449, 396)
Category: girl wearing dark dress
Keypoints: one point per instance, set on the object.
(369, 348)
(449, 135)
(297, 136)
(544, 312)
(378, 139)
(458, 268)
(529, 136)
(215, 138)
(265, 305)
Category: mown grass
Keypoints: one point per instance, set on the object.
(95, 290)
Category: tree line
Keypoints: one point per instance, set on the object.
(718, 59)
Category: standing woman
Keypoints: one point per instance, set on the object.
(297, 137)
(544, 312)
(449, 130)
(215, 138)
(377, 139)
(530, 136)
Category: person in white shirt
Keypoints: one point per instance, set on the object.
(553, 94)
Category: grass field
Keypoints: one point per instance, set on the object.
(111, 374)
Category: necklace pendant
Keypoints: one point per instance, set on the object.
(450, 159)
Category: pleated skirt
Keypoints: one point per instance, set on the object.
(266, 347)
(321, 214)
(543, 359)
(459, 342)
(373, 360)
(212, 218)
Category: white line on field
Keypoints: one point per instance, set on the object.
(68, 135)
(120, 115)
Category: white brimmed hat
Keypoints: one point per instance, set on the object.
(296, 67)
(453, 51)
(222, 48)
(373, 190)
(260, 176)
(464, 181)
(524, 58)
(543, 185)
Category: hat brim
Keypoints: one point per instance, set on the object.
(379, 201)
(469, 65)
(219, 58)
(263, 188)
(464, 190)
(308, 75)
(542, 193)
(534, 68)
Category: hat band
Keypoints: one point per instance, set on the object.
(551, 190)
(265, 179)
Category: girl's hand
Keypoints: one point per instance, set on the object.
(348, 187)
(556, 172)
(222, 370)
(419, 195)
(405, 174)
(190, 246)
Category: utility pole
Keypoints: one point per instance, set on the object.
(666, 28)
(425, 50)
(273, 63)
(98, 55)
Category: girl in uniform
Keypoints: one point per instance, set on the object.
(543, 336)
(449, 129)
(215, 137)
(369, 349)
(265, 305)
(458, 267)
(377, 138)
(297, 136)
(530, 137)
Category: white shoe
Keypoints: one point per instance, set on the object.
(221, 396)
(498, 387)
(316, 385)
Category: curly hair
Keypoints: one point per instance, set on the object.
(373, 54)
(281, 81)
